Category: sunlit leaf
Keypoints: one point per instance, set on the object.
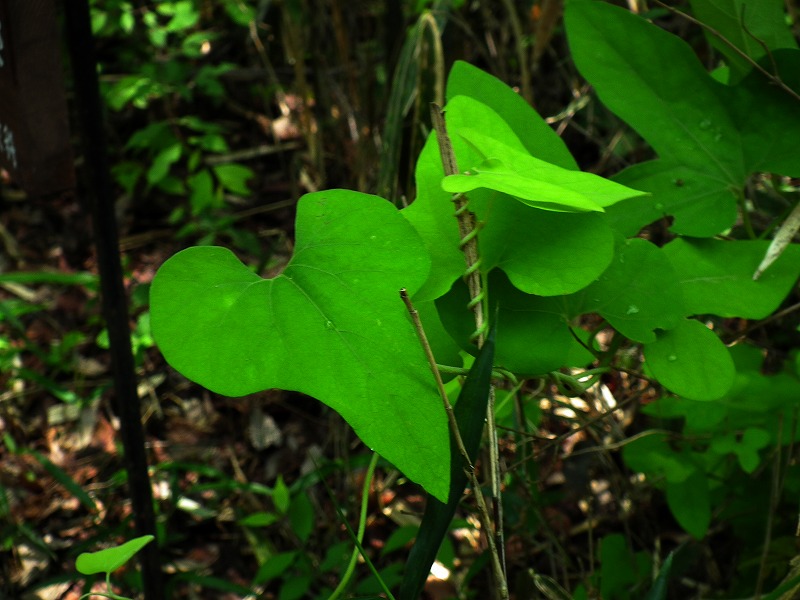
(110, 559)
(542, 252)
(532, 181)
(332, 325)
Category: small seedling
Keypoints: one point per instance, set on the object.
(109, 560)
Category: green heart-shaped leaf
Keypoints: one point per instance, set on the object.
(332, 326)
(691, 361)
(638, 292)
(534, 182)
(708, 141)
(522, 319)
(110, 559)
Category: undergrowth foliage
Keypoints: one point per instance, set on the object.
(635, 335)
(559, 249)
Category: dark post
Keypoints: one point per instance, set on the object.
(34, 122)
(115, 309)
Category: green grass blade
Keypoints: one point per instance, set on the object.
(659, 589)
(64, 479)
(89, 280)
(470, 413)
(401, 100)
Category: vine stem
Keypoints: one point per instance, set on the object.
(451, 417)
(483, 511)
(468, 230)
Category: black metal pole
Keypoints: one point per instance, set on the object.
(114, 301)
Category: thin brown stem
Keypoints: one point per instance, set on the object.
(773, 77)
(483, 512)
(423, 340)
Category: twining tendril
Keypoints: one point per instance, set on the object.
(468, 231)
(468, 244)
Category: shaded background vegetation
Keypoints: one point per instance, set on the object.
(221, 114)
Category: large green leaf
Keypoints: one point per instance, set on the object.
(717, 276)
(534, 182)
(331, 325)
(532, 334)
(691, 361)
(637, 294)
(753, 28)
(542, 252)
(536, 135)
(708, 141)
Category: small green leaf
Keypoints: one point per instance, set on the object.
(239, 12)
(280, 495)
(301, 516)
(745, 448)
(202, 197)
(690, 503)
(275, 567)
(110, 559)
(259, 519)
(162, 163)
(653, 456)
(234, 178)
(691, 361)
